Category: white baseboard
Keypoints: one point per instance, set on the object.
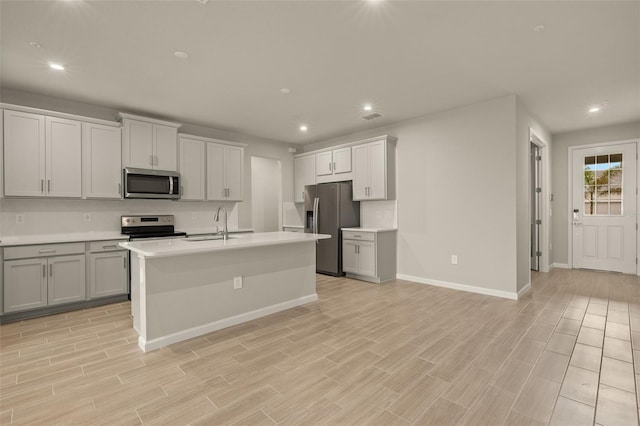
(559, 265)
(190, 333)
(463, 287)
(524, 290)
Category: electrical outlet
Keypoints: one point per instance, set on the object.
(193, 215)
(237, 282)
(20, 218)
(87, 217)
(454, 259)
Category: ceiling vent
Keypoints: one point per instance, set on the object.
(371, 116)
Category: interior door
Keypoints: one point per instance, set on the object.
(604, 208)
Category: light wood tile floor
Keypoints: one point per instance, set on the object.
(394, 354)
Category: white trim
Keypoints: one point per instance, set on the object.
(387, 138)
(570, 150)
(456, 286)
(148, 120)
(545, 207)
(57, 114)
(524, 290)
(560, 266)
(205, 139)
(158, 342)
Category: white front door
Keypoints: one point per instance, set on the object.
(604, 208)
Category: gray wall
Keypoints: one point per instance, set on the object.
(255, 147)
(456, 177)
(560, 150)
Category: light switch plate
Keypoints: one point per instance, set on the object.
(20, 218)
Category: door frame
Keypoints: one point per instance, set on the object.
(545, 182)
(570, 193)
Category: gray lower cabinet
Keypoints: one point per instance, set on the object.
(108, 274)
(44, 275)
(369, 256)
(25, 284)
(45, 281)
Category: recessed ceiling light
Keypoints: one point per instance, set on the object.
(35, 44)
(181, 55)
(367, 107)
(285, 91)
(56, 66)
(594, 109)
(538, 28)
(303, 128)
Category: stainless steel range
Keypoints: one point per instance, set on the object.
(145, 227)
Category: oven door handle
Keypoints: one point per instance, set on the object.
(170, 185)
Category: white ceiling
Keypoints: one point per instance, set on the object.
(407, 58)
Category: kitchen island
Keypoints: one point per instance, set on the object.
(183, 288)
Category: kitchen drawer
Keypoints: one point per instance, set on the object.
(361, 236)
(43, 250)
(101, 246)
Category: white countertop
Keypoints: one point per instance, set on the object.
(183, 246)
(61, 238)
(370, 229)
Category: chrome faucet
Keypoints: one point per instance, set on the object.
(225, 231)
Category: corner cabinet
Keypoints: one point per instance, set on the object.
(42, 156)
(305, 174)
(369, 255)
(148, 143)
(374, 170)
(225, 171)
(101, 161)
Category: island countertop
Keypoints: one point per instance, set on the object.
(183, 246)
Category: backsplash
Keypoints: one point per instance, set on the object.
(379, 214)
(51, 216)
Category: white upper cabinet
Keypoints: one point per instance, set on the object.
(305, 174)
(225, 171)
(101, 161)
(192, 168)
(149, 143)
(24, 155)
(374, 170)
(63, 148)
(42, 156)
(334, 165)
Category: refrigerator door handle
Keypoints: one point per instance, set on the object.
(316, 202)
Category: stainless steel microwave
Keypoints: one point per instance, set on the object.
(143, 183)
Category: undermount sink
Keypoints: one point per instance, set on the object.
(209, 238)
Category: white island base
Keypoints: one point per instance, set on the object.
(182, 289)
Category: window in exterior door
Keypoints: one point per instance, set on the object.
(603, 185)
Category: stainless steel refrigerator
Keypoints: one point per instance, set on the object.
(329, 207)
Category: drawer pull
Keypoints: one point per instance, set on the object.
(47, 250)
(110, 246)
(357, 236)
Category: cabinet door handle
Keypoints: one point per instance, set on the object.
(48, 185)
(151, 160)
(156, 162)
(42, 185)
(334, 166)
(119, 189)
(124, 262)
(44, 271)
(51, 269)
(357, 249)
(181, 189)
(330, 167)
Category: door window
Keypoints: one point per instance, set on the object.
(603, 185)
